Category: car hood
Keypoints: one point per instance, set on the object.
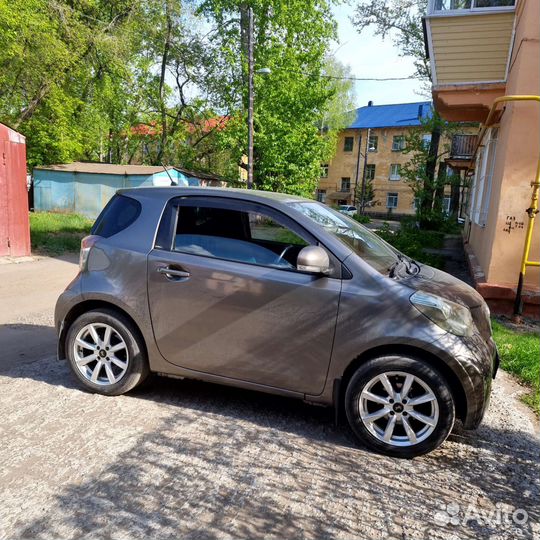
(435, 281)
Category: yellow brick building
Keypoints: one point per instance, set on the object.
(373, 143)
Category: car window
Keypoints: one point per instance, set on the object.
(365, 243)
(264, 227)
(245, 236)
(120, 213)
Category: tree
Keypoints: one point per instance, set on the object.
(420, 172)
(296, 108)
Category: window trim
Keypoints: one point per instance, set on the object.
(402, 146)
(394, 195)
(167, 227)
(376, 145)
(393, 177)
(373, 167)
(459, 12)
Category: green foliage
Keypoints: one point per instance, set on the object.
(413, 242)
(297, 110)
(63, 76)
(429, 188)
(54, 233)
(164, 81)
(519, 351)
(362, 218)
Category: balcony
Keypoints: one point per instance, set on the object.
(463, 146)
(468, 43)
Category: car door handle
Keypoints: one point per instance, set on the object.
(173, 272)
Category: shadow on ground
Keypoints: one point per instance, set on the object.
(223, 462)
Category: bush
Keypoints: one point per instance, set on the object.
(362, 218)
(412, 241)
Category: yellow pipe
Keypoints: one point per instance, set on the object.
(532, 210)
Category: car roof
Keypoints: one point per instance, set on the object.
(165, 193)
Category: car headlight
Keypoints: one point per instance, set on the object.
(449, 316)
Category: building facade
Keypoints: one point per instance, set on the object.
(373, 146)
(483, 54)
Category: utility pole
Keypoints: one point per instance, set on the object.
(357, 176)
(250, 98)
(363, 193)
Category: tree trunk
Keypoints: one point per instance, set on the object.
(429, 182)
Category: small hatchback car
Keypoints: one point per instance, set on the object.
(280, 294)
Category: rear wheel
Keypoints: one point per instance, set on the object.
(106, 352)
(399, 406)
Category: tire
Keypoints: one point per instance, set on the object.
(372, 414)
(127, 364)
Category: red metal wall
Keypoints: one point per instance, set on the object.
(14, 224)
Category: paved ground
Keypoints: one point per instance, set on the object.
(190, 460)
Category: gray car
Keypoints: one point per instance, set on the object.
(280, 294)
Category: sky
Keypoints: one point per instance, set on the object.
(370, 56)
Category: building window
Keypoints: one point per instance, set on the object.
(416, 203)
(345, 184)
(395, 171)
(391, 200)
(348, 144)
(398, 143)
(370, 172)
(446, 205)
(373, 143)
(451, 5)
(324, 171)
(481, 189)
(321, 195)
(426, 141)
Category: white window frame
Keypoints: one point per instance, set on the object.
(392, 195)
(324, 170)
(473, 10)
(402, 143)
(374, 146)
(321, 195)
(395, 177)
(483, 179)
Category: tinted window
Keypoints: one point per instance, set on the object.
(243, 236)
(119, 214)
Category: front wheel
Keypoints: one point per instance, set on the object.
(106, 352)
(399, 406)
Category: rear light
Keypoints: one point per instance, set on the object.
(87, 243)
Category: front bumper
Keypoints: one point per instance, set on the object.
(475, 362)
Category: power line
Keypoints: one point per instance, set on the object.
(411, 77)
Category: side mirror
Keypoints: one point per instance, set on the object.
(313, 259)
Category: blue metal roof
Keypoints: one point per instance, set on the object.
(395, 115)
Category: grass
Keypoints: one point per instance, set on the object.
(53, 233)
(413, 242)
(520, 355)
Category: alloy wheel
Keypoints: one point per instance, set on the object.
(101, 354)
(398, 408)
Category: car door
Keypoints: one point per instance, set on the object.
(223, 303)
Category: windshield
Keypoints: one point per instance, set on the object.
(366, 244)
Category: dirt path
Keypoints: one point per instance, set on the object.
(183, 459)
